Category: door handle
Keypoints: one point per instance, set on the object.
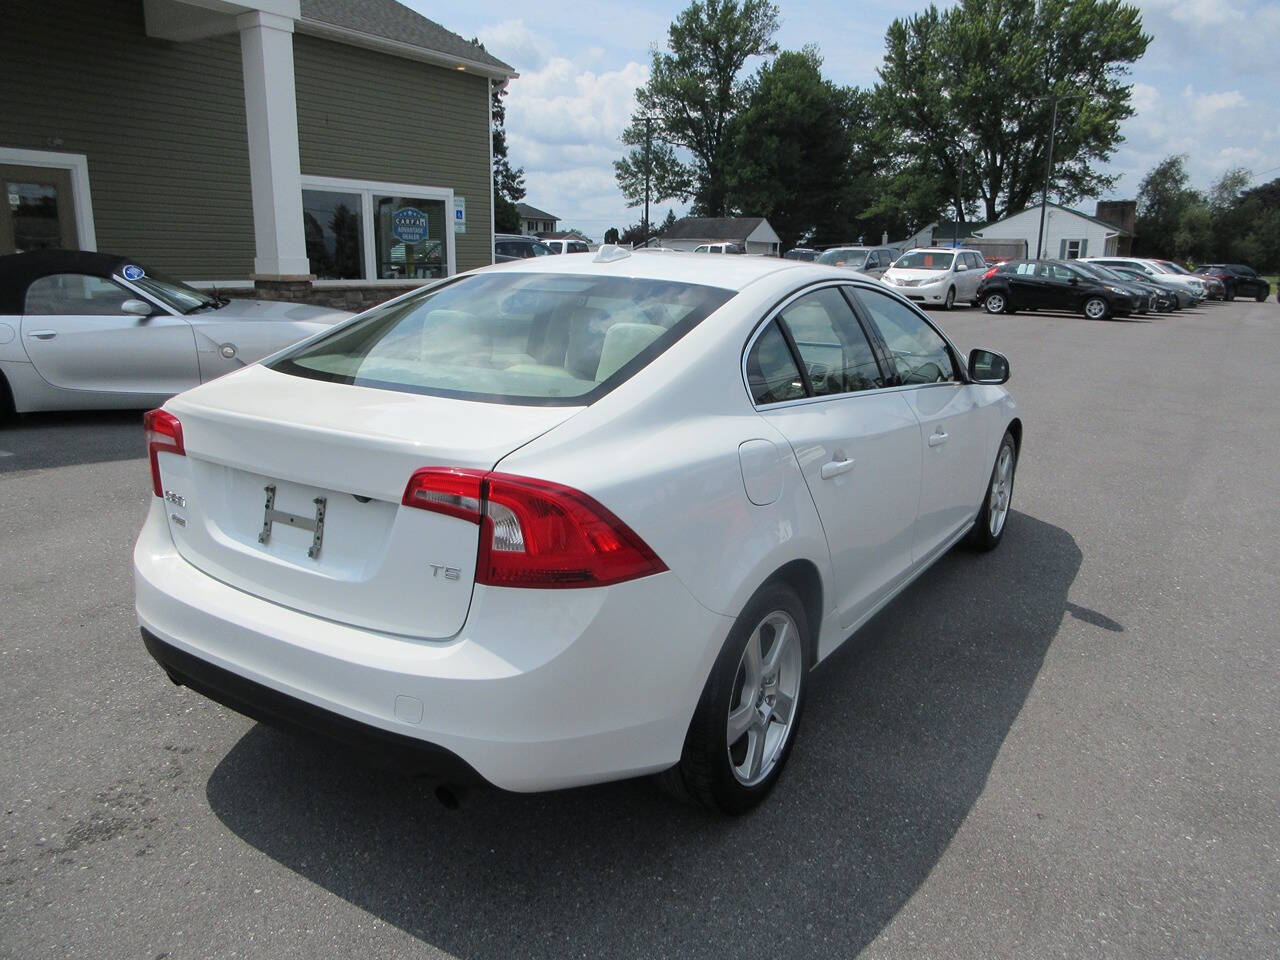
(939, 438)
(42, 334)
(835, 467)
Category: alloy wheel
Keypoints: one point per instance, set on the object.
(995, 303)
(1001, 490)
(1095, 309)
(762, 705)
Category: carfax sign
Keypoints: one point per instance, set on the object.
(409, 225)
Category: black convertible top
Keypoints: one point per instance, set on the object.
(18, 270)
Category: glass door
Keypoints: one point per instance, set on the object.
(36, 209)
(409, 238)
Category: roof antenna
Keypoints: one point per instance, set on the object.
(609, 252)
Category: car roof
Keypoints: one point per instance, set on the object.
(19, 270)
(937, 250)
(729, 273)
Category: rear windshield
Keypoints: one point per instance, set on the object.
(925, 260)
(521, 338)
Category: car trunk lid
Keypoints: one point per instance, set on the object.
(290, 490)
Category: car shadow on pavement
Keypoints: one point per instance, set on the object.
(902, 728)
(35, 441)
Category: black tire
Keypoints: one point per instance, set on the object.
(6, 401)
(1230, 294)
(705, 774)
(996, 303)
(980, 537)
(1261, 297)
(950, 301)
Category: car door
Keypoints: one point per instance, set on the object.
(973, 277)
(1026, 288)
(78, 338)
(952, 439)
(1060, 287)
(815, 378)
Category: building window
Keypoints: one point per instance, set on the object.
(334, 229)
(1072, 249)
(362, 230)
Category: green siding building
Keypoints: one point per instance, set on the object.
(277, 141)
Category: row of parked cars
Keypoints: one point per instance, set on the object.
(1098, 287)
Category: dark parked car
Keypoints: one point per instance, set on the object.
(1167, 289)
(1054, 285)
(807, 254)
(1239, 279)
(1158, 300)
(512, 246)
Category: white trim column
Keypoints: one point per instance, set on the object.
(271, 112)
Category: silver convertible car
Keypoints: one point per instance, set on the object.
(83, 331)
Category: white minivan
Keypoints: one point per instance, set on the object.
(936, 275)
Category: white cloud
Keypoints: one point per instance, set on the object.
(563, 124)
(516, 44)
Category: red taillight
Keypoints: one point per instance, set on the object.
(534, 533)
(455, 493)
(990, 273)
(163, 434)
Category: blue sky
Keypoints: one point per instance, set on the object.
(1209, 85)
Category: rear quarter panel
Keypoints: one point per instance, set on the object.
(661, 452)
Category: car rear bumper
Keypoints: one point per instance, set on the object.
(541, 689)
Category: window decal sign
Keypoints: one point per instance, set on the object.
(133, 272)
(409, 225)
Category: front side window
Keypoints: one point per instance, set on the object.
(919, 352)
(76, 294)
(546, 339)
(831, 344)
(1059, 273)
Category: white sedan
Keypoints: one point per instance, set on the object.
(570, 519)
(82, 331)
(937, 275)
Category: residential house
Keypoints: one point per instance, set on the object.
(534, 221)
(752, 234)
(1068, 233)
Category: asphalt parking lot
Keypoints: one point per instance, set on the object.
(1066, 748)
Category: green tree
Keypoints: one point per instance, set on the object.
(692, 94)
(793, 150)
(970, 89)
(1164, 196)
(611, 235)
(508, 181)
(667, 177)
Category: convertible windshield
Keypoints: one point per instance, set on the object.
(530, 338)
(844, 257)
(175, 293)
(923, 260)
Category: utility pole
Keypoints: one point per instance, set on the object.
(1048, 171)
(955, 233)
(648, 138)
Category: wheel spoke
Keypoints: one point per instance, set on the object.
(783, 704)
(743, 718)
(756, 756)
(751, 662)
(781, 637)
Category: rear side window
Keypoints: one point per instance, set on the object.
(831, 344)
(544, 339)
(772, 373)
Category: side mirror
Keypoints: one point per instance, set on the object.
(987, 366)
(961, 268)
(137, 308)
(1074, 281)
